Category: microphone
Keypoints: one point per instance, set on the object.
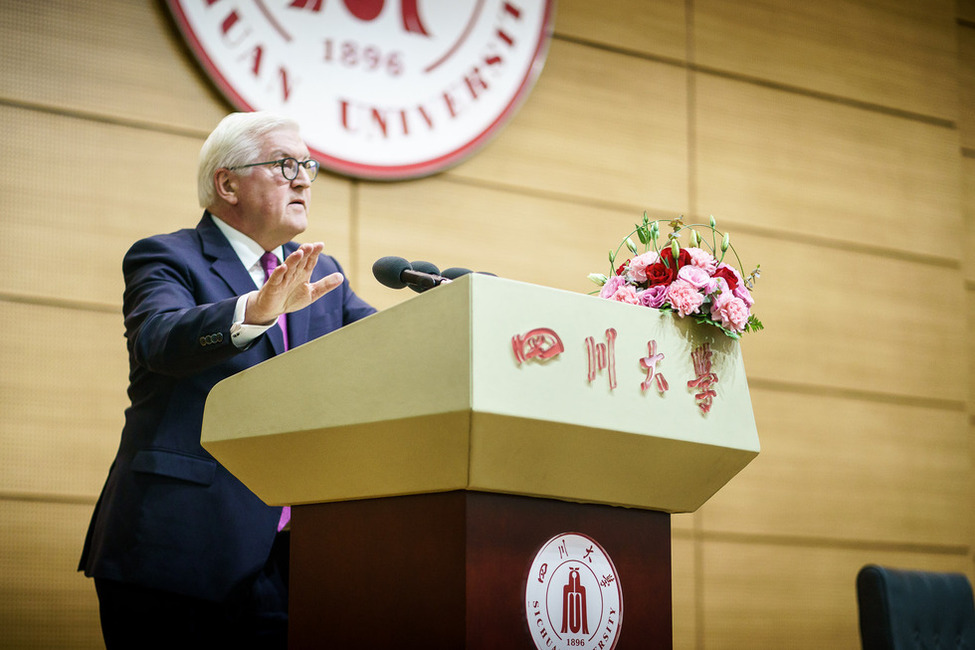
(396, 273)
(455, 272)
(424, 267)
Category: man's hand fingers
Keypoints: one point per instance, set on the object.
(303, 261)
(288, 288)
(326, 284)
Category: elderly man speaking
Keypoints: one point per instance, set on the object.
(183, 554)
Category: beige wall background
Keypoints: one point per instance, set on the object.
(834, 139)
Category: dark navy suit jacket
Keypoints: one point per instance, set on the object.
(170, 516)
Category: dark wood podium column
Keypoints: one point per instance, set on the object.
(449, 570)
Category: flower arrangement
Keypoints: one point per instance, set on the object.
(689, 280)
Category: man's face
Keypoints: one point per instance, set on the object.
(273, 209)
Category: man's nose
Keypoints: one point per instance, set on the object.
(302, 179)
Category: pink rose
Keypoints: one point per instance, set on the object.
(639, 264)
(654, 297)
(611, 286)
(684, 298)
(626, 294)
(694, 276)
(702, 259)
(730, 311)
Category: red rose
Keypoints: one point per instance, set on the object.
(665, 271)
(659, 274)
(729, 277)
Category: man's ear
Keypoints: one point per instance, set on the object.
(226, 184)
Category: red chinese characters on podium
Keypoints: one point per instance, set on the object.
(602, 356)
(649, 363)
(705, 379)
(543, 343)
(540, 343)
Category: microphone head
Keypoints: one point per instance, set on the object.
(423, 267)
(388, 270)
(455, 272)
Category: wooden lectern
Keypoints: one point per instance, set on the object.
(490, 464)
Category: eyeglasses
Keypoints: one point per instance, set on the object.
(289, 167)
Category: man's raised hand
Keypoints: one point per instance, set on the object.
(288, 288)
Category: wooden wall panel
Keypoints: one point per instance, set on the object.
(968, 215)
(684, 578)
(547, 241)
(46, 603)
(330, 220)
(84, 197)
(966, 84)
(597, 125)
(834, 319)
(895, 53)
(843, 469)
(968, 204)
(107, 57)
(797, 596)
(62, 398)
(656, 28)
(824, 170)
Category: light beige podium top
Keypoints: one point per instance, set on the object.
(498, 386)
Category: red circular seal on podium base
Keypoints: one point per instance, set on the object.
(573, 596)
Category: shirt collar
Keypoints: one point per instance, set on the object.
(248, 250)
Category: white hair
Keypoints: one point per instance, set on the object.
(235, 141)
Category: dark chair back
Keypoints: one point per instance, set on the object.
(914, 609)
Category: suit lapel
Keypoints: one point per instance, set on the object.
(223, 260)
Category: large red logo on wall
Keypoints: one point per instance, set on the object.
(383, 89)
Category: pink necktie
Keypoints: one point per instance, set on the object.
(269, 262)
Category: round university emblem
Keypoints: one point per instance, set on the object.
(573, 597)
(383, 89)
